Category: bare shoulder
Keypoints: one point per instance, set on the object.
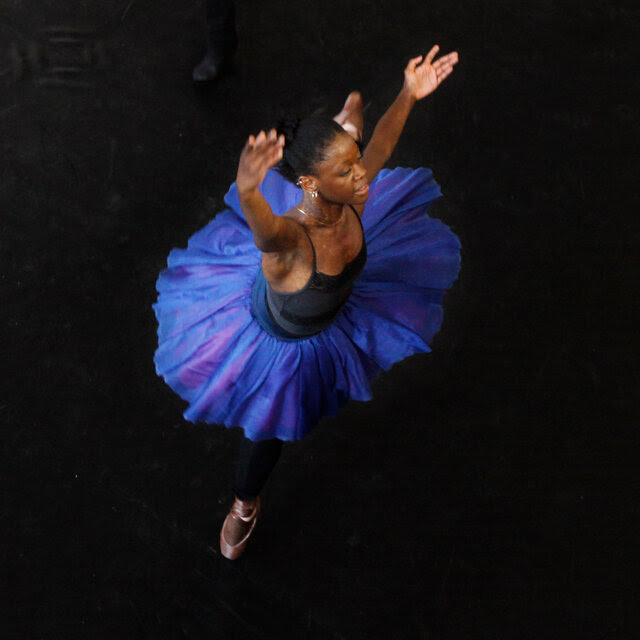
(283, 269)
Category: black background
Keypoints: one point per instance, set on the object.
(491, 488)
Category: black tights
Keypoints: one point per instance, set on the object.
(255, 462)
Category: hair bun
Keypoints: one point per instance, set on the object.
(305, 143)
(288, 127)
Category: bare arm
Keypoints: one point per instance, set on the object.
(271, 233)
(422, 76)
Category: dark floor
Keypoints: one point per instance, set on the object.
(491, 488)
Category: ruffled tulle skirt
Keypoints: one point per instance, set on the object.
(215, 354)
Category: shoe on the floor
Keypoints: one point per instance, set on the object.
(240, 511)
(210, 67)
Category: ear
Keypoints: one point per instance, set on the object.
(307, 183)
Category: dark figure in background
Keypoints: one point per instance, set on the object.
(221, 40)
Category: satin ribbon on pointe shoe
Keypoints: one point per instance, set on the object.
(238, 512)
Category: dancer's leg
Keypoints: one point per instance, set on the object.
(256, 460)
(350, 118)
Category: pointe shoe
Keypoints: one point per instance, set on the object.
(239, 511)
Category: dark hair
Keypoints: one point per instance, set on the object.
(305, 143)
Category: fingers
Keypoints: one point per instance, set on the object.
(432, 53)
(443, 74)
(264, 138)
(414, 62)
(440, 65)
(264, 147)
(444, 66)
(449, 60)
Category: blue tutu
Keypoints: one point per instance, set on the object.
(217, 356)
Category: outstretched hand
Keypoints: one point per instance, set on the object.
(422, 75)
(260, 153)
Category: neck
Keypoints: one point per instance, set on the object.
(323, 210)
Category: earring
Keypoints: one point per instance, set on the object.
(297, 183)
(314, 193)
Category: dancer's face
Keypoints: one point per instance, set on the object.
(340, 177)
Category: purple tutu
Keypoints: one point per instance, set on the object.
(215, 354)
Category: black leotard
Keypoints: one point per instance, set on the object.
(311, 309)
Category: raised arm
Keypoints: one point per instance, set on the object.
(271, 233)
(422, 76)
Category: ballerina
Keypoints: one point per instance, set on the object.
(324, 270)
